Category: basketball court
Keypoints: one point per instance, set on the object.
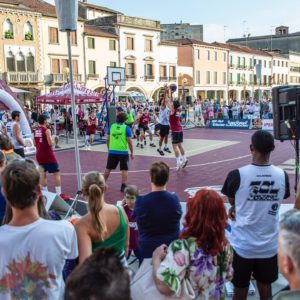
(212, 154)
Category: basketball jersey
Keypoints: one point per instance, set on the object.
(174, 119)
(44, 152)
(144, 120)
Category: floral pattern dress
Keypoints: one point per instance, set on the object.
(207, 274)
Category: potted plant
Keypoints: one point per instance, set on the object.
(28, 36)
(9, 34)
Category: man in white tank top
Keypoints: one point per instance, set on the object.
(256, 192)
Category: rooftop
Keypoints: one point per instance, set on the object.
(195, 42)
(97, 7)
(96, 31)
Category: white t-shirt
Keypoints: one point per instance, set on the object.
(37, 253)
(164, 115)
(258, 192)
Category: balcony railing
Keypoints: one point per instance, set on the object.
(172, 78)
(163, 78)
(93, 76)
(21, 77)
(149, 77)
(131, 77)
(63, 78)
(231, 66)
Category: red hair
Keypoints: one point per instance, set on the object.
(206, 220)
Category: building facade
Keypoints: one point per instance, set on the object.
(181, 31)
(210, 72)
(20, 51)
(138, 49)
(281, 41)
(294, 68)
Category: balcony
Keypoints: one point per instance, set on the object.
(131, 77)
(231, 66)
(164, 78)
(172, 78)
(149, 78)
(93, 76)
(21, 77)
(64, 78)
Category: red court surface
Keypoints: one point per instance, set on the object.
(204, 169)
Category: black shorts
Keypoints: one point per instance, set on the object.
(157, 127)
(137, 132)
(114, 159)
(177, 137)
(143, 128)
(264, 270)
(50, 168)
(164, 130)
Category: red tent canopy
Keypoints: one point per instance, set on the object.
(62, 96)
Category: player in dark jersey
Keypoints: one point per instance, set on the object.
(45, 155)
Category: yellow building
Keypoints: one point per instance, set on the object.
(20, 51)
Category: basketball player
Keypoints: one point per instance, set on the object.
(144, 120)
(91, 130)
(177, 132)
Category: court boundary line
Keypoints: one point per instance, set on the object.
(174, 168)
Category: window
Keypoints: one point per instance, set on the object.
(238, 78)
(255, 62)
(75, 66)
(278, 63)
(8, 29)
(64, 64)
(216, 55)
(207, 77)
(239, 61)
(231, 60)
(28, 31)
(130, 69)
(270, 64)
(53, 35)
(286, 79)
(251, 78)
(198, 77)
(274, 63)
(73, 37)
(250, 62)
(91, 43)
(260, 62)
(30, 63)
(55, 69)
(224, 78)
(208, 55)
(92, 67)
(10, 63)
(163, 71)
(224, 56)
(244, 61)
(130, 43)
(198, 53)
(21, 66)
(112, 45)
(230, 78)
(215, 77)
(148, 45)
(286, 64)
(113, 64)
(172, 72)
(149, 70)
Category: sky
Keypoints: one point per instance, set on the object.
(222, 19)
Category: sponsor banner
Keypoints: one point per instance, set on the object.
(230, 124)
(267, 124)
(29, 146)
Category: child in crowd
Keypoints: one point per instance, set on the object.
(131, 193)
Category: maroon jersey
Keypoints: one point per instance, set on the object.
(144, 120)
(175, 124)
(92, 128)
(134, 234)
(44, 152)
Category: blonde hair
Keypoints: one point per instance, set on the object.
(93, 186)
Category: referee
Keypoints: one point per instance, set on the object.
(118, 141)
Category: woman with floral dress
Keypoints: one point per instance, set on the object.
(201, 256)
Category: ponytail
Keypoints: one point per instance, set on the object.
(95, 204)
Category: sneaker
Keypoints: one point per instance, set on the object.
(123, 187)
(142, 146)
(89, 148)
(138, 144)
(184, 163)
(57, 147)
(178, 167)
(167, 150)
(160, 152)
(152, 145)
(64, 197)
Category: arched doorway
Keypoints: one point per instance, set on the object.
(136, 89)
(245, 94)
(232, 94)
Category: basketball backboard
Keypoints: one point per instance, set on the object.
(116, 76)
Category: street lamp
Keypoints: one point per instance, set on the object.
(67, 14)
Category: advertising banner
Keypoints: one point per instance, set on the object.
(267, 124)
(230, 124)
